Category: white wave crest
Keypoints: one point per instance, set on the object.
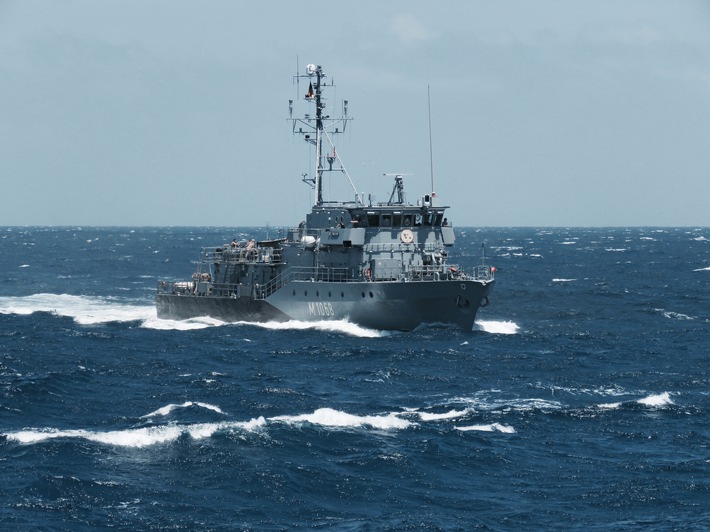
(181, 325)
(563, 280)
(702, 269)
(451, 414)
(84, 310)
(497, 327)
(141, 437)
(609, 406)
(329, 417)
(489, 428)
(165, 410)
(658, 400)
(342, 326)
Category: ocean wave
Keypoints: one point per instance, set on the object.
(138, 437)
(329, 417)
(657, 400)
(489, 428)
(166, 433)
(83, 310)
(674, 315)
(496, 327)
(165, 410)
(435, 416)
(341, 326)
(563, 280)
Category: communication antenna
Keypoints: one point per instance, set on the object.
(431, 149)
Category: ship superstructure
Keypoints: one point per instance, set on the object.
(380, 265)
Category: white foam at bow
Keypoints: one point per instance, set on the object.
(342, 326)
(496, 327)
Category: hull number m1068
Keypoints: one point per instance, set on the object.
(320, 309)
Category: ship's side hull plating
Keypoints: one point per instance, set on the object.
(380, 305)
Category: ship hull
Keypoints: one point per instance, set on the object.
(379, 305)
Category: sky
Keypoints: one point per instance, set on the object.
(173, 113)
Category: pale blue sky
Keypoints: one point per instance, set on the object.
(555, 113)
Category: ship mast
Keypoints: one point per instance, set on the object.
(321, 128)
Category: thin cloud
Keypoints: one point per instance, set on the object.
(407, 28)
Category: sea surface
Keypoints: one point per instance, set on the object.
(580, 400)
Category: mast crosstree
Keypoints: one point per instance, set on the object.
(322, 127)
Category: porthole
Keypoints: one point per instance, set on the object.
(305, 292)
(342, 294)
(317, 293)
(363, 295)
(371, 295)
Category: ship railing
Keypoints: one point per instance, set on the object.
(303, 273)
(437, 272)
(202, 288)
(240, 255)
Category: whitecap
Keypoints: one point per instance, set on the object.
(165, 410)
(329, 417)
(496, 327)
(563, 280)
(84, 310)
(138, 438)
(489, 428)
(191, 324)
(702, 269)
(433, 416)
(341, 326)
(609, 406)
(661, 399)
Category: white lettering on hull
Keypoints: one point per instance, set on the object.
(318, 308)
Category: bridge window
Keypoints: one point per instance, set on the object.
(386, 220)
(373, 219)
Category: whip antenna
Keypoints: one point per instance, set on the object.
(431, 149)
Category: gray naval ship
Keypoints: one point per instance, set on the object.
(379, 265)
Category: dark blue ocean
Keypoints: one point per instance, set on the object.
(581, 399)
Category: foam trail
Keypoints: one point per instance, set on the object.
(661, 399)
(496, 327)
(342, 326)
(181, 325)
(84, 310)
(329, 417)
(489, 428)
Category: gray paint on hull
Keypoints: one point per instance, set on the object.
(384, 306)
